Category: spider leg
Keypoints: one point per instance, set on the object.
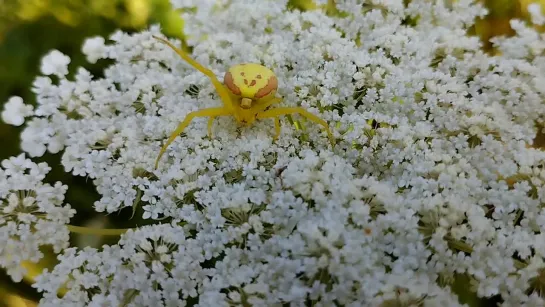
(298, 110)
(261, 107)
(210, 123)
(212, 112)
(220, 88)
(276, 128)
(264, 105)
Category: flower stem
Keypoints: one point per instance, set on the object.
(97, 231)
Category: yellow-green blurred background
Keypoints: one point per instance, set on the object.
(30, 28)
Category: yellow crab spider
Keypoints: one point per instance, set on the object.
(248, 90)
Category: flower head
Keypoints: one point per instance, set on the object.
(15, 111)
(32, 214)
(55, 63)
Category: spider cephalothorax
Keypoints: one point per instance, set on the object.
(251, 82)
(247, 92)
(250, 86)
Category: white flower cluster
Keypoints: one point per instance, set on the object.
(55, 63)
(262, 255)
(15, 111)
(433, 175)
(151, 265)
(32, 214)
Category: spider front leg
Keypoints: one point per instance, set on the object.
(265, 104)
(211, 112)
(276, 128)
(261, 107)
(220, 88)
(296, 110)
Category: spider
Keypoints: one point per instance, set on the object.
(247, 92)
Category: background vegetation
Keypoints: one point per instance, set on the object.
(30, 28)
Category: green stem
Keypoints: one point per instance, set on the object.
(97, 231)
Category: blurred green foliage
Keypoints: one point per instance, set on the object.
(31, 28)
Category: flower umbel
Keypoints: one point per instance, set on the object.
(433, 176)
(32, 214)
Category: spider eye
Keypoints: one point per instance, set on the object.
(242, 74)
(258, 76)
